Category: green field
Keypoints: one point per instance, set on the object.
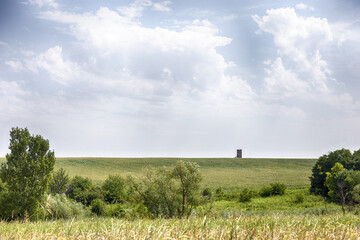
(216, 172)
(276, 217)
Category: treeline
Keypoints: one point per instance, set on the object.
(30, 189)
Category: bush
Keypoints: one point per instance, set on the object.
(299, 198)
(277, 189)
(114, 189)
(273, 190)
(98, 207)
(207, 193)
(246, 195)
(83, 190)
(59, 206)
(265, 191)
(115, 210)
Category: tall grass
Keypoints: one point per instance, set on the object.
(272, 226)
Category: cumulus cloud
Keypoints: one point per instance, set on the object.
(299, 42)
(299, 39)
(281, 82)
(52, 61)
(154, 62)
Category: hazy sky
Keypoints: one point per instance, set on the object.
(182, 78)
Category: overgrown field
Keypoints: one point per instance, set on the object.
(216, 172)
(270, 226)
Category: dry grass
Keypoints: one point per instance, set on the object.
(272, 226)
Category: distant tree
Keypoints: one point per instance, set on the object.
(26, 173)
(168, 192)
(158, 192)
(341, 183)
(114, 189)
(83, 190)
(324, 165)
(189, 175)
(59, 182)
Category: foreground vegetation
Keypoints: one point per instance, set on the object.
(269, 226)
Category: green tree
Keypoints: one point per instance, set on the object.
(158, 192)
(169, 192)
(189, 175)
(341, 183)
(83, 190)
(324, 165)
(114, 189)
(59, 182)
(26, 173)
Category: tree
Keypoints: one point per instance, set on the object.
(169, 192)
(158, 192)
(114, 189)
(324, 165)
(341, 183)
(59, 182)
(189, 175)
(83, 190)
(26, 173)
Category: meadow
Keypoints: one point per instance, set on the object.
(276, 217)
(216, 172)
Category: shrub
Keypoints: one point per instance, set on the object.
(115, 210)
(219, 191)
(83, 190)
(114, 189)
(246, 195)
(59, 206)
(277, 189)
(265, 191)
(299, 198)
(98, 207)
(207, 193)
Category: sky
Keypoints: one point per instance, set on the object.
(182, 78)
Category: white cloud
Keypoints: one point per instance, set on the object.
(301, 6)
(299, 42)
(300, 39)
(162, 6)
(137, 55)
(282, 82)
(44, 3)
(52, 61)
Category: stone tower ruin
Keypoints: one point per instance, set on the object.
(239, 153)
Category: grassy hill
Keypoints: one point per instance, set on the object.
(225, 172)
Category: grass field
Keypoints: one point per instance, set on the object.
(277, 217)
(270, 226)
(224, 172)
